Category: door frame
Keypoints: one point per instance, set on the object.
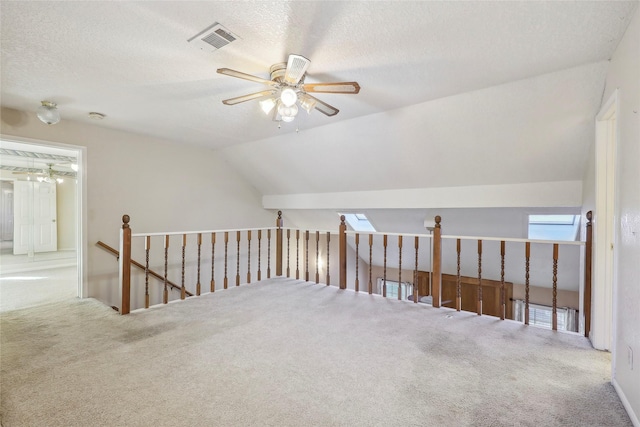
(605, 233)
(81, 198)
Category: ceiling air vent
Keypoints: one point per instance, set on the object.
(213, 38)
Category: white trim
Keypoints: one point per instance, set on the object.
(604, 264)
(81, 199)
(625, 402)
(529, 195)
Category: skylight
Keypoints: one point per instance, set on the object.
(554, 227)
(358, 222)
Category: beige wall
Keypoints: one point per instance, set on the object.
(623, 75)
(163, 186)
(66, 214)
(544, 296)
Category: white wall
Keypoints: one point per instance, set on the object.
(163, 186)
(623, 75)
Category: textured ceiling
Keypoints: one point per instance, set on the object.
(131, 61)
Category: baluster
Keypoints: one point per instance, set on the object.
(317, 256)
(384, 276)
(527, 255)
(415, 272)
(165, 298)
(288, 236)
(370, 262)
(588, 260)
(458, 279)
(306, 258)
(357, 283)
(268, 253)
(147, 246)
(502, 302)
(436, 275)
(199, 247)
(479, 277)
(183, 295)
(297, 254)
(399, 267)
(249, 256)
(328, 239)
(226, 247)
(259, 254)
(555, 287)
(342, 252)
(279, 245)
(238, 258)
(213, 262)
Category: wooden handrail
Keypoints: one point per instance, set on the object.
(142, 267)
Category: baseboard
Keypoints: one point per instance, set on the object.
(625, 403)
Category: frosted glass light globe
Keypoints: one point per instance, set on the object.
(288, 97)
(48, 113)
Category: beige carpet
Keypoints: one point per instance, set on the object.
(290, 353)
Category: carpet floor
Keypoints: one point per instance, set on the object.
(285, 352)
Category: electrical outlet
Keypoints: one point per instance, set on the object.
(630, 357)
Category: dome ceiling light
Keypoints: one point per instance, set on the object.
(48, 113)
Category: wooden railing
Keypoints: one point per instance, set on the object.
(354, 263)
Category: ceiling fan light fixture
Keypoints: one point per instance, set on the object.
(287, 118)
(308, 103)
(267, 105)
(286, 111)
(288, 97)
(48, 113)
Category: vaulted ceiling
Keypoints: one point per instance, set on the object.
(453, 93)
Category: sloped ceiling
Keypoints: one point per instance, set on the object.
(453, 93)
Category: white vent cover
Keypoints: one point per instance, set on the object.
(213, 38)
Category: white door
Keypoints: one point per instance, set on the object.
(6, 206)
(45, 233)
(35, 228)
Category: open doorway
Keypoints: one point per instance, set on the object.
(41, 250)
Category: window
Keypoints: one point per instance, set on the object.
(358, 222)
(405, 289)
(554, 227)
(541, 315)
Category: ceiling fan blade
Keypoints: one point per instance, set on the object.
(340, 87)
(324, 108)
(249, 97)
(238, 74)
(296, 67)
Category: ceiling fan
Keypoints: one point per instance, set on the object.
(42, 175)
(287, 90)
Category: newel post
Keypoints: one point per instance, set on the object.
(279, 244)
(125, 265)
(437, 263)
(343, 253)
(588, 253)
